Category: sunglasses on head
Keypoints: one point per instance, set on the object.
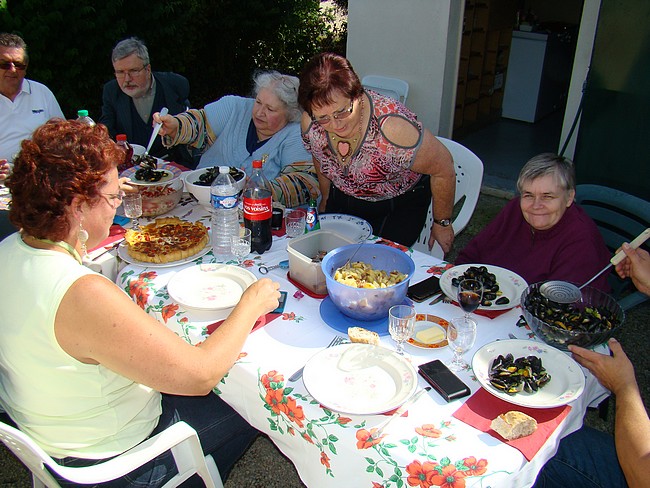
(8, 65)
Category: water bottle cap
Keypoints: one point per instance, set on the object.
(257, 163)
(120, 137)
(82, 113)
(224, 169)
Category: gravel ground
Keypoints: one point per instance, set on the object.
(264, 466)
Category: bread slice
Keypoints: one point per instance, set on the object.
(363, 336)
(513, 425)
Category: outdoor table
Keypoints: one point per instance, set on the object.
(331, 449)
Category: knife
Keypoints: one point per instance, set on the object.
(400, 411)
(440, 296)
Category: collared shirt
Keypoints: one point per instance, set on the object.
(144, 103)
(34, 105)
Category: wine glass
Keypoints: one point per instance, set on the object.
(470, 294)
(132, 203)
(461, 334)
(401, 322)
(240, 245)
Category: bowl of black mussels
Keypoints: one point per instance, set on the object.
(588, 322)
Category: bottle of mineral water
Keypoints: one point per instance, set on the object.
(82, 116)
(225, 213)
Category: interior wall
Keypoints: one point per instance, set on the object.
(568, 11)
(415, 40)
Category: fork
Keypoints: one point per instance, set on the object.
(335, 342)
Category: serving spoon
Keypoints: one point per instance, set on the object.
(156, 128)
(565, 292)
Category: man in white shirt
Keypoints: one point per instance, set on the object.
(24, 104)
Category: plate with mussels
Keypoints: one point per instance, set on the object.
(502, 288)
(150, 171)
(528, 373)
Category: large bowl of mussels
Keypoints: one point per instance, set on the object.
(586, 323)
(198, 182)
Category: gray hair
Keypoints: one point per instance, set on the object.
(284, 87)
(13, 41)
(129, 46)
(549, 164)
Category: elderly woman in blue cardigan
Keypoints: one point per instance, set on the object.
(234, 131)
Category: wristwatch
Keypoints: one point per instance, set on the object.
(442, 222)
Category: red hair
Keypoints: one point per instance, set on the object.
(323, 76)
(63, 159)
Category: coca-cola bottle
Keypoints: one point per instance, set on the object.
(128, 153)
(258, 209)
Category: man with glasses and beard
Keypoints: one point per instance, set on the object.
(136, 93)
(24, 104)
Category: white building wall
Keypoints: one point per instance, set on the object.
(415, 40)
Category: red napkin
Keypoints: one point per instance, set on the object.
(490, 314)
(115, 234)
(396, 245)
(482, 407)
(261, 322)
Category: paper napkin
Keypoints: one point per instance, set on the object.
(482, 407)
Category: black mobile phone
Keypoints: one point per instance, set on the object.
(443, 380)
(424, 289)
(281, 302)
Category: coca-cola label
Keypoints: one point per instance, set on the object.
(258, 208)
(223, 202)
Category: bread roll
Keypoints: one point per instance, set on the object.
(513, 425)
(363, 336)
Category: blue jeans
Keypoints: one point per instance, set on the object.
(223, 433)
(585, 459)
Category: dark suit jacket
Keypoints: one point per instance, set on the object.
(118, 112)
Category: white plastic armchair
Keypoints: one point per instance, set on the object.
(180, 438)
(390, 87)
(469, 176)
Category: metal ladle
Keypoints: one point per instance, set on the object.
(565, 292)
(156, 128)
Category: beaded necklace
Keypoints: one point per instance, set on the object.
(346, 147)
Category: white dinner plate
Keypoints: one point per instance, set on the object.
(125, 256)
(211, 286)
(349, 226)
(426, 321)
(510, 283)
(360, 379)
(567, 379)
(171, 173)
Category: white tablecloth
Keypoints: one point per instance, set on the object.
(331, 449)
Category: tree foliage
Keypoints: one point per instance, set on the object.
(216, 44)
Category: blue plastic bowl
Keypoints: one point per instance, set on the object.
(366, 303)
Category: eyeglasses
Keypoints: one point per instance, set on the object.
(340, 115)
(114, 199)
(7, 65)
(131, 72)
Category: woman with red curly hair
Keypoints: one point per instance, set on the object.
(372, 156)
(82, 367)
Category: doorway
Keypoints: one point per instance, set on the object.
(507, 139)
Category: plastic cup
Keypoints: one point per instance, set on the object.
(294, 221)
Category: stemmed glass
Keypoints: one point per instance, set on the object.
(461, 334)
(240, 245)
(132, 203)
(401, 322)
(470, 294)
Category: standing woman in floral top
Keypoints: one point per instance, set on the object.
(373, 158)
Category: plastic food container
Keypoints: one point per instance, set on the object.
(301, 252)
(160, 199)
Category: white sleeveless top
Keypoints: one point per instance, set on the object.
(69, 408)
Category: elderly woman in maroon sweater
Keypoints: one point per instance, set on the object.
(543, 234)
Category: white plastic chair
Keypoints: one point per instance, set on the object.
(180, 438)
(469, 176)
(390, 87)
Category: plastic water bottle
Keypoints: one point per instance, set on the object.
(82, 116)
(225, 213)
(258, 209)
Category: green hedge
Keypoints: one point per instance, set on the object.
(216, 44)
